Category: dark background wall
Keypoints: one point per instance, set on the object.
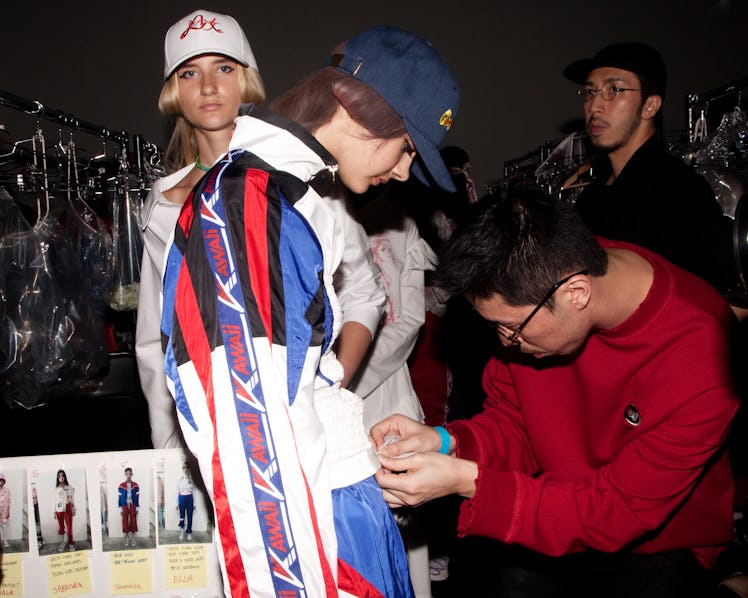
(102, 61)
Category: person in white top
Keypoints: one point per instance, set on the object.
(185, 502)
(4, 510)
(160, 501)
(64, 501)
(208, 74)
(383, 380)
(210, 70)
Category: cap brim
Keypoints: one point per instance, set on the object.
(202, 51)
(578, 71)
(429, 166)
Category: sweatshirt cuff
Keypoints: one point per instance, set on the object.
(490, 512)
(465, 445)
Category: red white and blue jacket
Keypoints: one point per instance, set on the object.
(134, 494)
(249, 316)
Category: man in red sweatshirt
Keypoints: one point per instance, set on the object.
(599, 458)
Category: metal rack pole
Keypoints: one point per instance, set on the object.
(36, 108)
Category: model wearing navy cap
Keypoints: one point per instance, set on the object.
(252, 318)
(640, 192)
(402, 71)
(400, 67)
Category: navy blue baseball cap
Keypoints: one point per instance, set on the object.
(417, 84)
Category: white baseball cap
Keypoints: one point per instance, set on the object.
(205, 32)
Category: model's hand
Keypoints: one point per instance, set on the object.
(419, 478)
(398, 435)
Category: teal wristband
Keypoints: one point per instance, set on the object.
(444, 448)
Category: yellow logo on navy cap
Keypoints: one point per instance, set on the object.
(446, 119)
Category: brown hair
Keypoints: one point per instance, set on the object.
(314, 100)
(182, 147)
(64, 475)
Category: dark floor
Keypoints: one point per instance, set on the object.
(473, 560)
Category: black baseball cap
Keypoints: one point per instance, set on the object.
(637, 57)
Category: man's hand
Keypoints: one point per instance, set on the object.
(398, 435)
(419, 478)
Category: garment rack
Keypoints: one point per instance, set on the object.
(143, 150)
(36, 108)
(721, 99)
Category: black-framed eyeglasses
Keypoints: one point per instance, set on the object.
(608, 92)
(513, 337)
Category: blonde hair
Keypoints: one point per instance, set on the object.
(182, 147)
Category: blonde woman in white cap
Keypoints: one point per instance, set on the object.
(251, 314)
(209, 70)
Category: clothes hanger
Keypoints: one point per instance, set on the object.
(700, 131)
(37, 152)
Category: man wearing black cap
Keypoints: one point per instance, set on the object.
(640, 192)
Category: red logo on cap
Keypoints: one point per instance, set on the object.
(199, 23)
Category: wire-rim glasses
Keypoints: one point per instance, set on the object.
(514, 336)
(608, 92)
